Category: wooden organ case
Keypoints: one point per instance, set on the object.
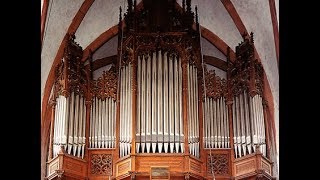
(158, 113)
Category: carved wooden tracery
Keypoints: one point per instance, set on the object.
(246, 73)
(71, 76)
(215, 86)
(101, 164)
(218, 163)
(106, 85)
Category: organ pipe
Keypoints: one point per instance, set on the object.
(160, 103)
(216, 128)
(125, 111)
(248, 124)
(70, 125)
(102, 123)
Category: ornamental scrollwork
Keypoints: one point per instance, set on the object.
(101, 164)
(106, 85)
(215, 86)
(218, 163)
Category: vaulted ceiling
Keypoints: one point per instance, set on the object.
(227, 19)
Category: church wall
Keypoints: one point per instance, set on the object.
(106, 50)
(219, 72)
(210, 50)
(100, 17)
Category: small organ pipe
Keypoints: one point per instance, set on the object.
(176, 104)
(80, 126)
(171, 101)
(143, 107)
(180, 107)
(71, 120)
(247, 124)
(154, 103)
(222, 123)
(234, 127)
(160, 101)
(148, 106)
(165, 95)
(138, 132)
(212, 123)
(242, 136)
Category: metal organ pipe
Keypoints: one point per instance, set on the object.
(216, 123)
(165, 102)
(248, 124)
(143, 101)
(102, 120)
(138, 132)
(69, 128)
(125, 111)
(159, 101)
(154, 111)
(193, 111)
(148, 105)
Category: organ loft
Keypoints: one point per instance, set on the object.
(159, 110)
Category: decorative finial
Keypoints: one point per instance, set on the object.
(197, 21)
(188, 6)
(120, 14)
(184, 5)
(251, 37)
(129, 6)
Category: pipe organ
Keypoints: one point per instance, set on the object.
(158, 108)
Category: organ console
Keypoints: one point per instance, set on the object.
(159, 106)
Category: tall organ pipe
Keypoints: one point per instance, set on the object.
(160, 106)
(216, 127)
(69, 122)
(125, 111)
(248, 124)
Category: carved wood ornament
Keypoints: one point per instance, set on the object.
(106, 85)
(71, 76)
(215, 86)
(101, 164)
(246, 73)
(219, 163)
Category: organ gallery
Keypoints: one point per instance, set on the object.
(160, 109)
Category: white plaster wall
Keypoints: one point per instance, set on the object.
(219, 72)
(256, 17)
(210, 50)
(59, 17)
(106, 50)
(97, 73)
(101, 16)
(214, 16)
